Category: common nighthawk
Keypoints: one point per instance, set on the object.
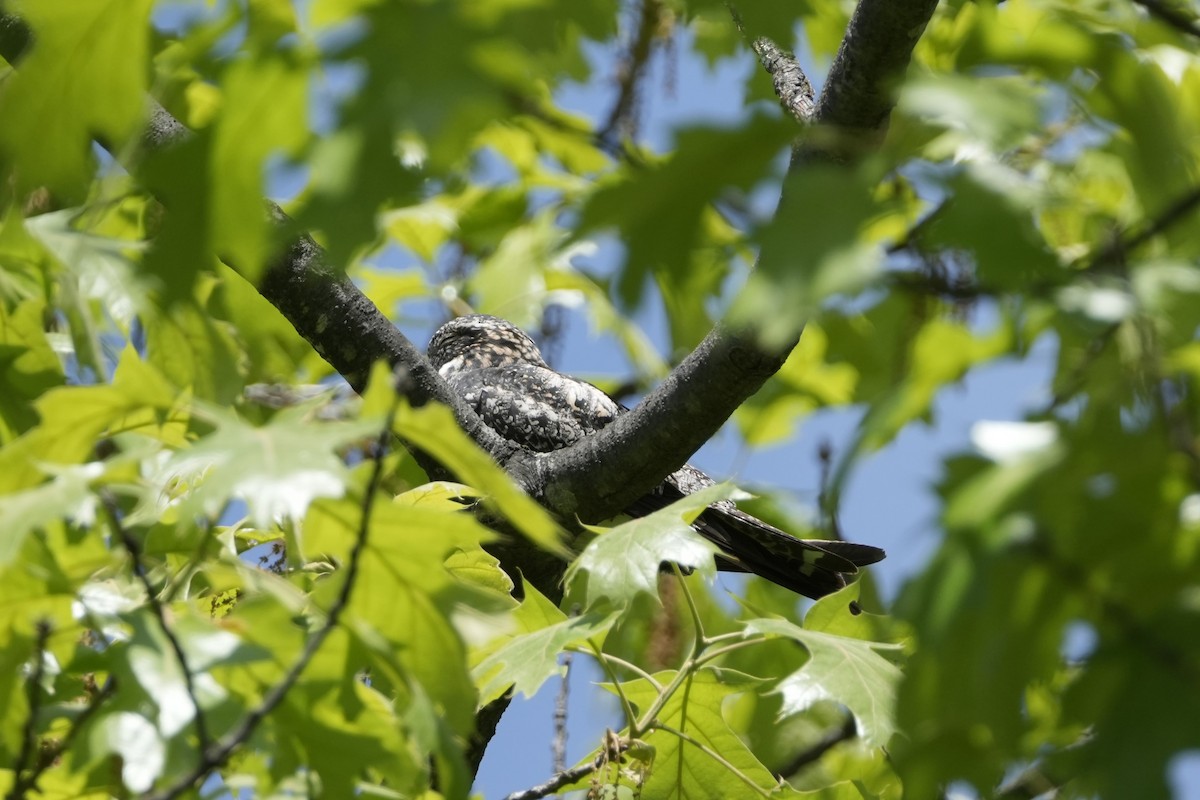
(500, 372)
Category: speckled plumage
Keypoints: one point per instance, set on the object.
(499, 371)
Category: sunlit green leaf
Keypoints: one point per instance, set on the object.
(278, 468)
(847, 671)
(433, 429)
(624, 562)
(28, 367)
(530, 655)
(687, 769)
(63, 102)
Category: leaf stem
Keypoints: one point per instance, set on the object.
(700, 640)
(626, 706)
(131, 545)
(620, 662)
(712, 655)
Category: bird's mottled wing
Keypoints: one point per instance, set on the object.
(534, 407)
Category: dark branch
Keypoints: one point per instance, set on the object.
(602, 474)
(1114, 253)
(792, 88)
(219, 752)
(859, 93)
(51, 751)
(160, 614)
(847, 731)
(623, 118)
(22, 784)
(1167, 14)
(570, 776)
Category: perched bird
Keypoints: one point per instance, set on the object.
(500, 372)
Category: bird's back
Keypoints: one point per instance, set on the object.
(533, 406)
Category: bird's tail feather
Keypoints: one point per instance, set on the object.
(811, 567)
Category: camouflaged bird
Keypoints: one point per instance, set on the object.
(501, 374)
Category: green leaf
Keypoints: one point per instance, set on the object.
(942, 352)
(194, 352)
(243, 140)
(406, 593)
(824, 241)
(622, 563)
(847, 671)
(104, 267)
(511, 282)
(28, 367)
(986, 115)
(990, 218)
(73, 419)
(805, 383)
(659, 209)
(68, 495)
(279, 469)
(433, 429)
(63, 102)
(529, 656)
(273, 349)
(683, 770)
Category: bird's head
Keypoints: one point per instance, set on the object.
(478, 341)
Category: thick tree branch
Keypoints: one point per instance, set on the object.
(859, 93)
(602, 474)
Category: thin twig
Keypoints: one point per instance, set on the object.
(1171, 16)
(130, 542)
(712, 655)
(51, 751)
(620, 662)
(792, 86)
(29, 732)
(622, 118)
(106, 691)
(847, 731)
(1114, 252)
(217, 753)
(558, 747)
(568, 776)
